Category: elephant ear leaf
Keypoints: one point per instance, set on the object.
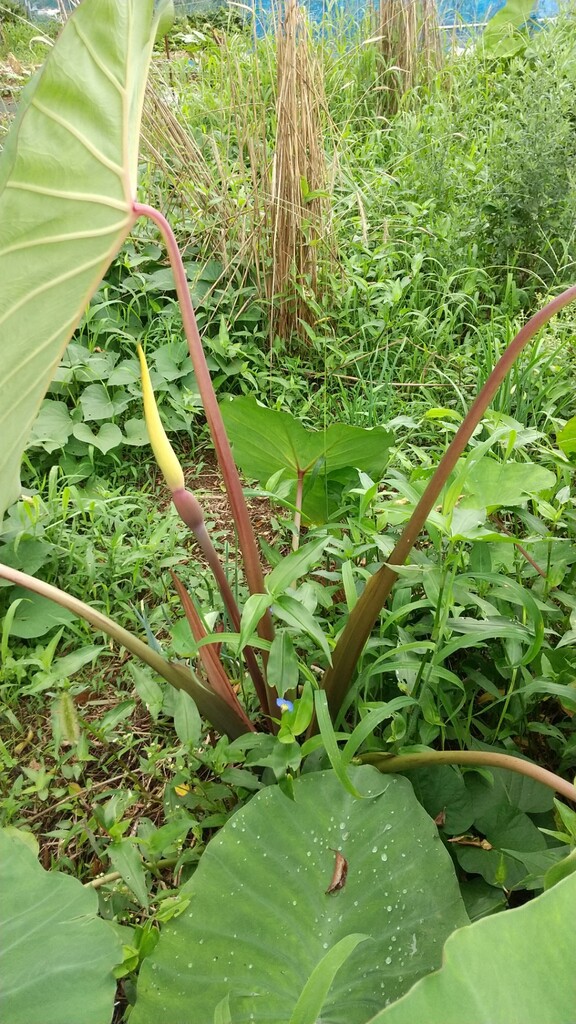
(501, 949)
(276, 921)
(67, 185)
(57, 957)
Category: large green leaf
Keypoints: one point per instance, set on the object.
(56, 955)
(443, 792)
(502, 36)
(260, 920)
(566, 438)
(35, 616)
(492, 484)
(52, 427)
(267, 441)
(67, 185)
(514, 968)
(500, 815)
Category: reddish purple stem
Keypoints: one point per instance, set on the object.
(222, 447)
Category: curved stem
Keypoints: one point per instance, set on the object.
(361, 620)
(209, 704)
(385, 762)
(213, 667)
(114, 876)
(222, 447)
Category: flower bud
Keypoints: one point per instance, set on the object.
(163, 451)
(188, 508)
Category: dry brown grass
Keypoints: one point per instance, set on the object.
(194, 186)
(185, 170)
(299, 177)
(253, 188)
(410, 43)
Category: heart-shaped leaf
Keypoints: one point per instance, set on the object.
(261, 920)
(491, 484)
(52, 426)
(266, 441)
(56, 955)
(35, 615)
(109, 436)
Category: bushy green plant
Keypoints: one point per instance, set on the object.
(11, 10)
(500, 165)
(529, 183)
(101, 169)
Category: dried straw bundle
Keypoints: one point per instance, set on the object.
(431, 51)
(298, 199)
(410, 42)
(176, 153)
(220, 180)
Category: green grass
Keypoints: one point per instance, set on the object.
(25, 41)
(451, 223)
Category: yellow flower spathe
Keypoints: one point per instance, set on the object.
(163, 451)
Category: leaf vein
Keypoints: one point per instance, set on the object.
(98, 61)
(52, 283)
(80, 137)
(71, 236)
(80, 197)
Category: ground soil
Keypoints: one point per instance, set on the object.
(208, 487)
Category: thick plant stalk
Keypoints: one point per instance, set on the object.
(190, 511)
(385, 762)
(222, 447)
(298, 512)
(210, 704)
(213, 667)
(337, 678)
(186, 504)
(209, 552)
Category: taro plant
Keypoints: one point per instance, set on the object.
(74, 950)
(506, 33)
(68, 200)
(71, 225)
(308, 469)
(370, 926)
(288, 872)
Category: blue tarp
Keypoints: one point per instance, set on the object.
(451, 11)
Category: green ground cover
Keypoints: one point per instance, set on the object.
(447, 220)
